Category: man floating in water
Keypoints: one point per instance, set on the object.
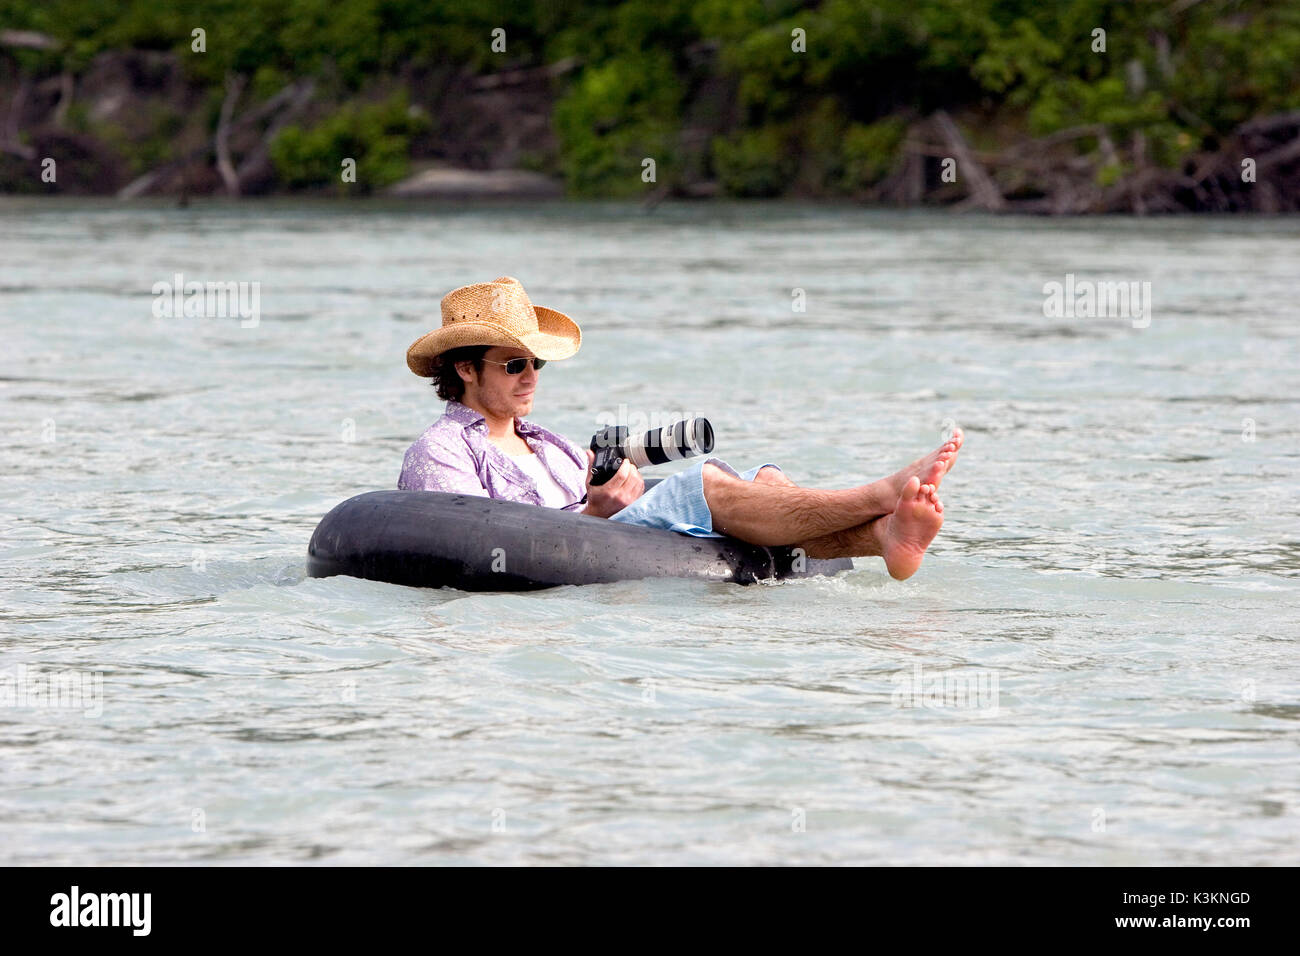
(485, 362)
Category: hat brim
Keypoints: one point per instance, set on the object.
(557, 337)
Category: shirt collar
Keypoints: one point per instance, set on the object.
(462, 414)
(466, 416)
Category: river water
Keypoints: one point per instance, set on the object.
(1097, 663)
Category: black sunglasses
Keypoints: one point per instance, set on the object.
(517, 365)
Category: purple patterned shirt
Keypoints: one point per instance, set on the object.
(454, 455)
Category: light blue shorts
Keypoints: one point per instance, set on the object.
(677, 503)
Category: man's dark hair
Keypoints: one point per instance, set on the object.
(445, 377)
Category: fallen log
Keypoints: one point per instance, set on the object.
(1279, 157)
(1267, 124)
(28, 40)
(526, 75)
(984, 192)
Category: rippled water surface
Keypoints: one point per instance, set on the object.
(1115, 587)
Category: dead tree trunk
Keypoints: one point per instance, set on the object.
(234, 87)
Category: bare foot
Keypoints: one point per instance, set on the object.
(911, 528)
(930, 469)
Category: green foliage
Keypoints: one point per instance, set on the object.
(1176, 76)
(822, 165)
(1017, 61)
(870, 150)
(1109, 174)
(617, 115)
(755, 163)
(376, 136)
(147, 152)
(772, 75)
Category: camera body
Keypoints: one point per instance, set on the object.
(612, 445)
(608, 446)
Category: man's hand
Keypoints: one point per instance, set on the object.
(616, 494)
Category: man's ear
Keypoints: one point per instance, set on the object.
(466, 371)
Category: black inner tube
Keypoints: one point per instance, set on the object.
(432, 539)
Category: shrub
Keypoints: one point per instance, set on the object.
(377, 136)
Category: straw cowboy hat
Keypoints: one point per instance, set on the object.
(495, 313)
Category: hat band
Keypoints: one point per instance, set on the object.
(488, 325)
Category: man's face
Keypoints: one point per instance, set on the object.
(496, 390)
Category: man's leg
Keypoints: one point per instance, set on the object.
(773, 510)
(762, 512)
(930, 469)
(773, 476)
(900, 537)
(860, 541)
